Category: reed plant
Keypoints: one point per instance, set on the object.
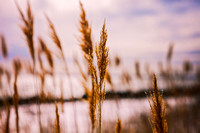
(158, 121)
(97, 93)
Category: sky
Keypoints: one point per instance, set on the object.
(137, 29)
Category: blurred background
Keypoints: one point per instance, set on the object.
(144, 37)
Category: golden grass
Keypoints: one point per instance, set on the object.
(159, 124)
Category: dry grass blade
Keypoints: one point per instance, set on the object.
(57, 123)
(118, 127)
(85, 30)
(4, 47)
(27, 28)
(159, 123)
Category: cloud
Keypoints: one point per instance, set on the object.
(135, 28)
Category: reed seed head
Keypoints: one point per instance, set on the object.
(53, 34)
(47, 53)
(85, 29)
(159, 124)
(27, 28)
(4, 47)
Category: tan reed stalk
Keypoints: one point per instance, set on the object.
(56, 40)
(102, 63)
(7, 127)
(27, 28)
(57, 122)
(4, 49)
(159, 124)
(118, 127)
(17, 69)
(42, 74)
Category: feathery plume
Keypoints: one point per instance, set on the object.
(85, 29)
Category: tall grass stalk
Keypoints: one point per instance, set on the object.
(57, 122)
(17, 69)
(87, 48)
